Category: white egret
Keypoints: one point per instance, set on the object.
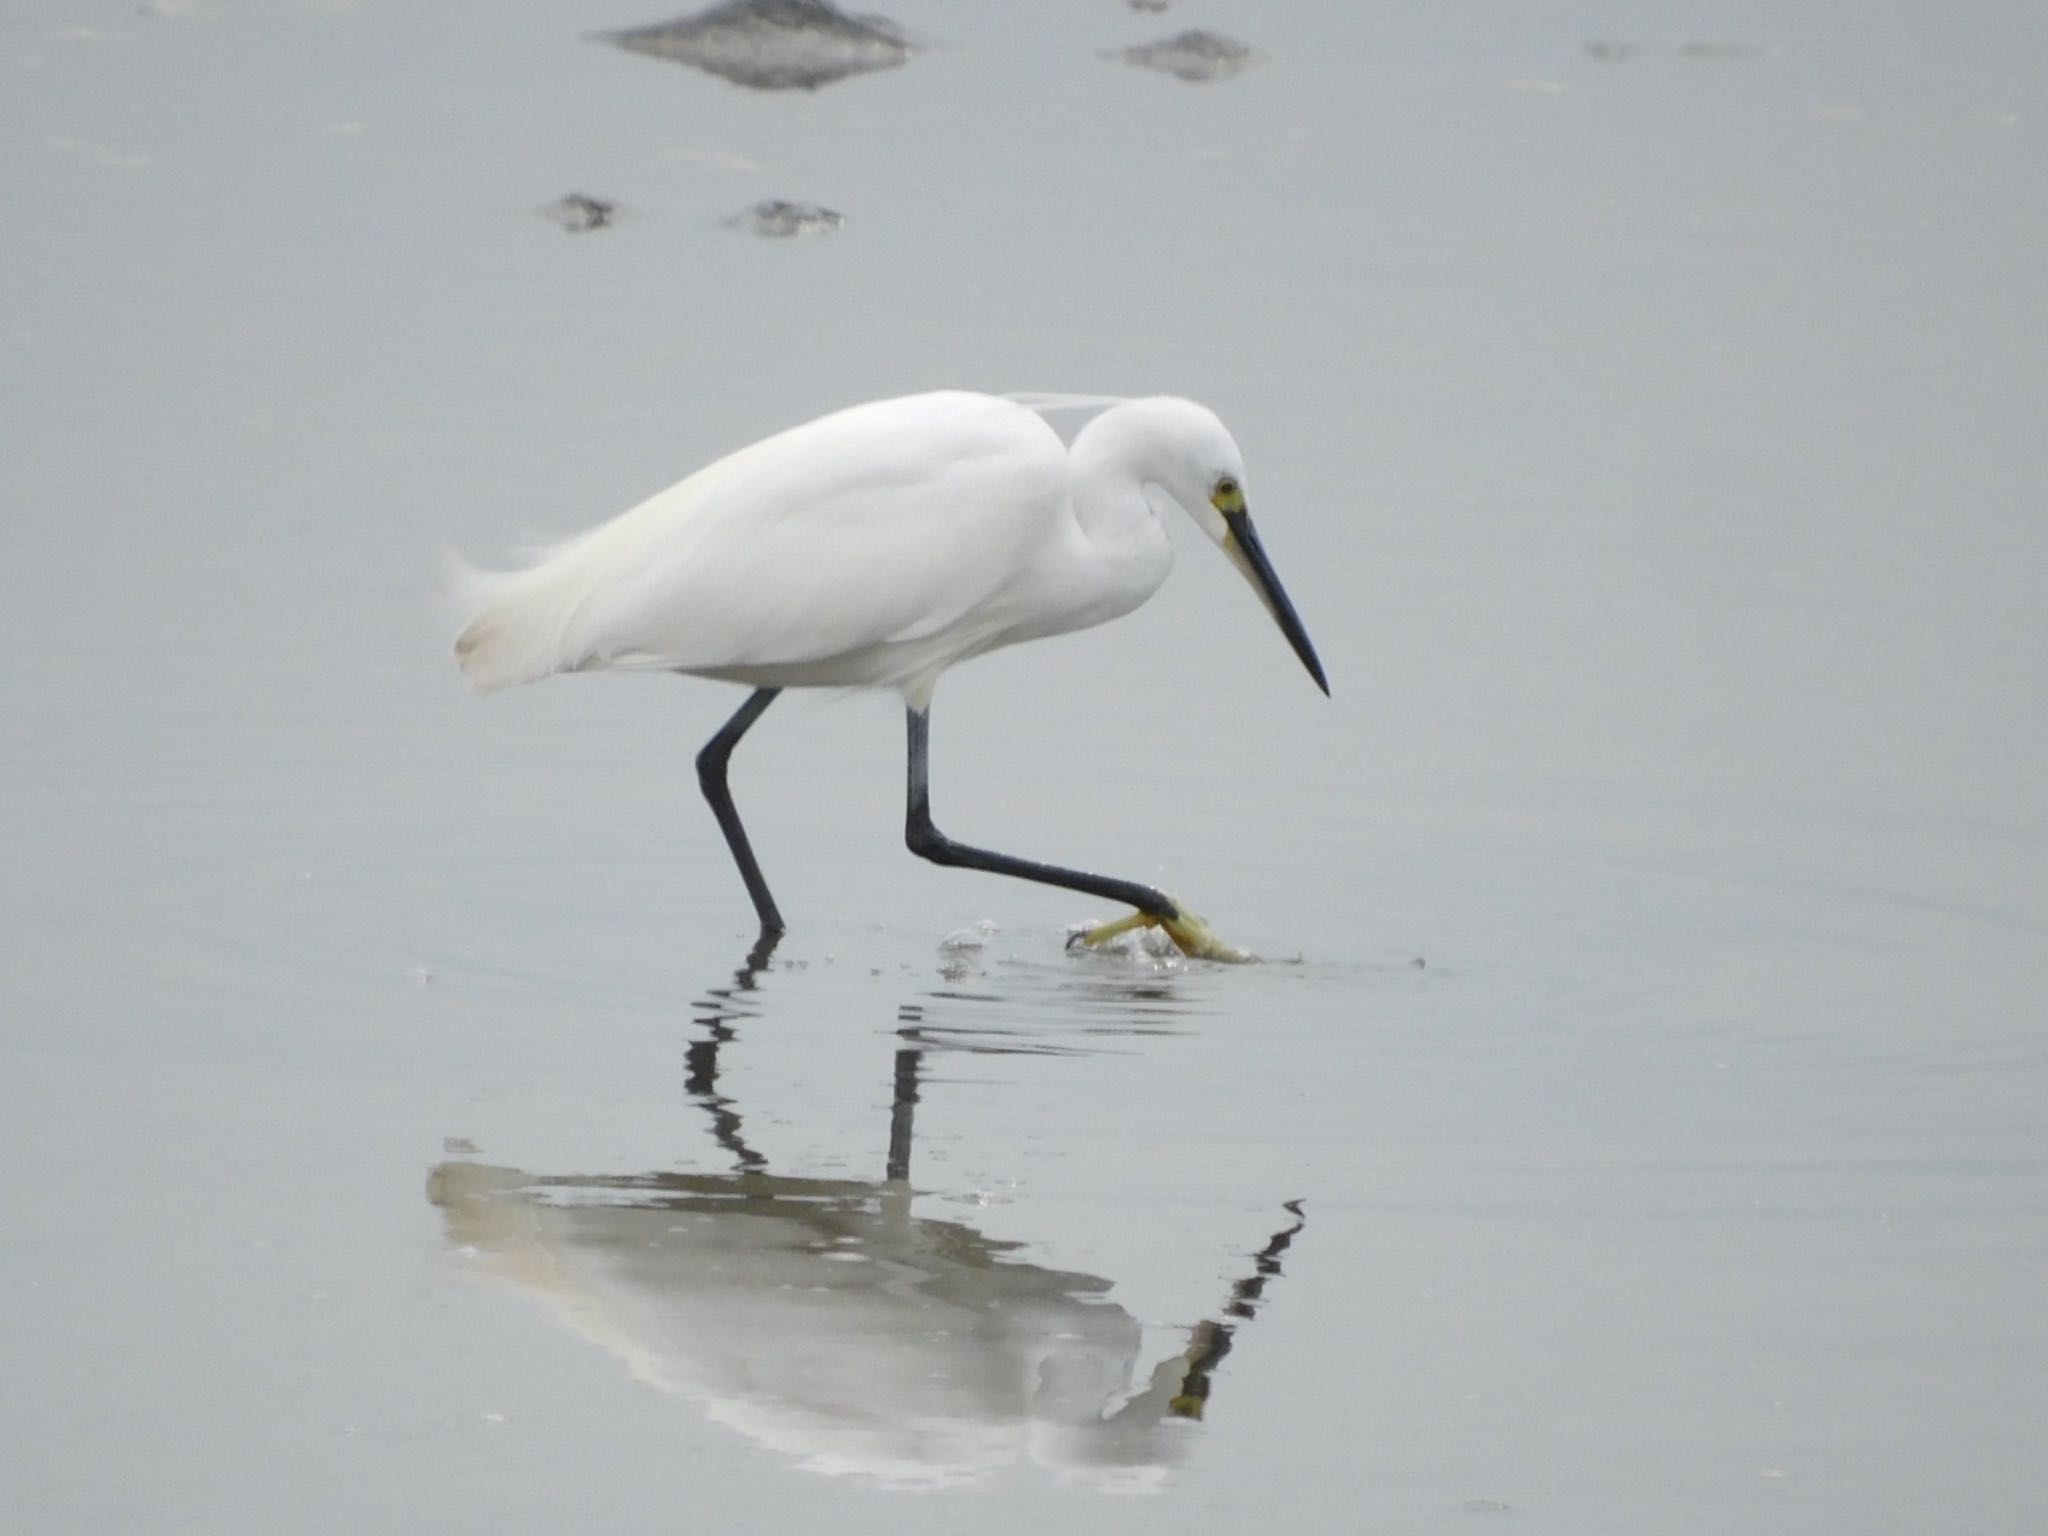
(876, 547)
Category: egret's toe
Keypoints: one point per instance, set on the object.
(1198, 940)
(1103, 933)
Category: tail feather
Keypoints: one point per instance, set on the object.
(514, 623)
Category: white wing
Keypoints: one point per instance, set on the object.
(807, 553)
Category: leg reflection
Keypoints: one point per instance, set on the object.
(902, 1112)
(716, 1011)
(1212, 1339)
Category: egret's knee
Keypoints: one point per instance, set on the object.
(927, 841)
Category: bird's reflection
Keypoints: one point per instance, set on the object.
(828, 1320)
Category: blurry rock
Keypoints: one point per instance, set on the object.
(1610, 52)
(578, 212)
(1152, 7)
(779, 220)
(773, 45)
(1194, 55)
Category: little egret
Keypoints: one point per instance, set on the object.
(876, 547)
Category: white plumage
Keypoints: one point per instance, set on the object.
(871, 547)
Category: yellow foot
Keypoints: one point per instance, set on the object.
(1189, 933)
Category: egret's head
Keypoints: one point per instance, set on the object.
(1191, 457)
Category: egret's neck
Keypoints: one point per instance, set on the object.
(1115, 490)
(1117, 505)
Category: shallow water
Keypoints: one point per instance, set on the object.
(1637, 1121)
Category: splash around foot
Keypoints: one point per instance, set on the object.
(1190, 934)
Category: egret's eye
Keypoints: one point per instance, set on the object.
(1228, 496)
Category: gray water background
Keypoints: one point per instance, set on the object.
(1651, 437)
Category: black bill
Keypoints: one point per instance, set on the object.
(1244, 548)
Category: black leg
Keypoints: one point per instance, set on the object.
(711, 775)
(928, 842)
